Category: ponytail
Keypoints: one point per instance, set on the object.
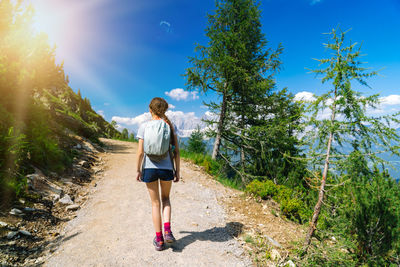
(165, 118)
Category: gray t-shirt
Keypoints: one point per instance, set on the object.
(148, 163)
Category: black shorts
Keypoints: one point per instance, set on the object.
(151, 175)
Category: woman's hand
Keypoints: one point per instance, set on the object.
(138, 176)
(177, 177)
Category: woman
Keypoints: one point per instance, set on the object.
(155, 172)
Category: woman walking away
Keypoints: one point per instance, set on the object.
(157, 152)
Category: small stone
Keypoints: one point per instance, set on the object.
(12, 243)
(29, 209)
(275, 255)
(16, 212)
(207, 207)
(3, 224)
(11, 234)
(22, 201)
(56, 198)
(25, 232)
(66, 200)
(290, 263)
(72, 207)
(84, 164)
(273, 242)
(78, 146)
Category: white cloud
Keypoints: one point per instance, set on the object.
(390, 100)
(304, 96)
(186, 123)
(180, 94)
(388, 104)
(106, 104)
(170, 106)
(101, 113)
(135, 121)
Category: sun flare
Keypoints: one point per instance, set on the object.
(65, 24)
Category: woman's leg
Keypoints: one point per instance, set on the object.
(155, 204)
(166, 205)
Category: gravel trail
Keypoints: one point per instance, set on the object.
(114, 227)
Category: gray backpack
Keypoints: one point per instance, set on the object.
(157, 139)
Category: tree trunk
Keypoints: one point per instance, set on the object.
(317, 208)
(221, 121)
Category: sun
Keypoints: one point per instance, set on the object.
(64, 22)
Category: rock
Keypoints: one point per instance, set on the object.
(72, 207)
(78, 146)
(273, 242)
(275, 255)
(11, 234)
(66, 200)
(55, 198)
(290, 263)
(42, 185)
(22, 201)
(12, 243)
(16, 212)
(84, 164)
(3, 224)
(29, 209)
(25, 232)
(80, 172)
(97, 170)
(88, 147)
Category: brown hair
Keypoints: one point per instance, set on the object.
(159, 106)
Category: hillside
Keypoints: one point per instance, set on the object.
(41, 117)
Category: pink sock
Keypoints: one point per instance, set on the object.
(167, 227)
(159, 236)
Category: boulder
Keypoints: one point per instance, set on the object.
(42, 185)
(80, 172)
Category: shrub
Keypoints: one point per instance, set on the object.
(291, 206)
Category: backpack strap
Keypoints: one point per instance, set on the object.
(171, 156)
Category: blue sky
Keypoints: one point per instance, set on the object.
(121, 54)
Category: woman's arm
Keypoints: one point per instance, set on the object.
(177, 158)
(139, 158)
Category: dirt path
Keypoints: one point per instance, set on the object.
(114, 227)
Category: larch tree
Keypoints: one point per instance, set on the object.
(233, 65)
(338, 121)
